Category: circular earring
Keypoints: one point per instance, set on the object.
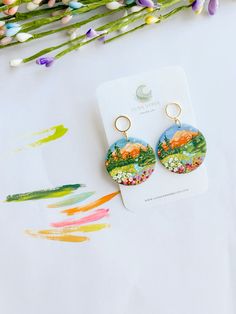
(182, 147)
(129, 161)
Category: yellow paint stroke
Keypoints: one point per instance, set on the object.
(92, 205)
(62, 237)
(56, 132)
(94, 227)
(85, 228)
(51, 134)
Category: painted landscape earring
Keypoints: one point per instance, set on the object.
(182, 147)
(129, 161)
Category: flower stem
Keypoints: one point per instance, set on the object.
(161, 18)
(125, 33)
(113, 26)
(169, 7)
(43, 52)
(71, 26)
(44, 21)
(76, 40)
(16, 3)
(21, 16)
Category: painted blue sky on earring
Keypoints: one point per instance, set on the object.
(129, 161)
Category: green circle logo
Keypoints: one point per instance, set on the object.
(143, 93)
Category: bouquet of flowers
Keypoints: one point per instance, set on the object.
(21, 21)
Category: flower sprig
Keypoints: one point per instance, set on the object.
(198, 6)
(17, 27)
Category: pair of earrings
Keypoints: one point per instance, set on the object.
(180, 149)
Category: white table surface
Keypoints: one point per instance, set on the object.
(176, 259)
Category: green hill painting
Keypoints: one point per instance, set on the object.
(181, 149)
(130, 162)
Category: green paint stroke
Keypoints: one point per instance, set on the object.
(57, 132)
(44, 194)
(74, 199)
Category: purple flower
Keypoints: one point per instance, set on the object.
(197, 6)
(47, 61)
(91, 33)
(213, 6)
(145, 3)
(102, 39)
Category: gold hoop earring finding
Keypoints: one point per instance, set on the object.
(174, 117)
(124, 131)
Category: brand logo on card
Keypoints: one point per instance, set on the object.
(145, 102)
(143, 93)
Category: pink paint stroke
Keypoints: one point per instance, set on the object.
(97, 215)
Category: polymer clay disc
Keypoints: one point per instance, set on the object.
(130, 161)
(181, 148)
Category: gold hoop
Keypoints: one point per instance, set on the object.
(128, 127)
(175, 118)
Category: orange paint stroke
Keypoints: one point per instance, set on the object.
(94, 204)
(97, 215)
(85, 228)
(63, 237)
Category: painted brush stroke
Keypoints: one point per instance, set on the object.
(93, 227)
(97, 215)
(44, 194)
(85, 228)
(94, 204)
(62, 238)
(74, 199)
(52, 134)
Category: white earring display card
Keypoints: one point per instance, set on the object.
(142, 98)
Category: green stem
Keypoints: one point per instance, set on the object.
(108, 27)
(16, 3)
(115, 26)
(130, 17)
(31, 14)
(47, 50)
(118, 25)
(5, 18)
(44, 21)
(76, 25)
(161, 18)
(125, 33)
(71, 26)
(43, 52)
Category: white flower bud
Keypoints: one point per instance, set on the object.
(23, 37)
(73, 35)
(37, 1)
(113, 5)
(15, 62)
(135, 8)
(32, 6)
(124, 28)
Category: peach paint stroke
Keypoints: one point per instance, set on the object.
(62, 238)
(66, 230)
(92, 205)
(97, 215)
